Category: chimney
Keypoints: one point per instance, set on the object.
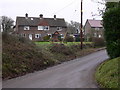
(41, 16)
(26, 16)
(54, 17)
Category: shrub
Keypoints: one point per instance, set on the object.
(112, 31)
(20, 56)
(98, 42)
(69, 39)
(60, 48)
(46, 38)
(77, 39)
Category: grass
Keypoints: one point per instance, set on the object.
(107, 74)
(68, 43)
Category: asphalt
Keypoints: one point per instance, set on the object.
(78, 73)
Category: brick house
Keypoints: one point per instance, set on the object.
(35, 28)
(93, 28)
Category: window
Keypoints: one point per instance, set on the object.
(62, 36)
(24, 35)
(99, 36)
(37, 35)
(40, 27)
(95, 34)
(97, 28)
(26, 28)
(50, 35)
(43, 27)
(59, 28)
(46, 27)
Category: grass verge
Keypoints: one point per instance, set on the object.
(107, 74)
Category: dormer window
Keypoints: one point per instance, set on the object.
(26, 28)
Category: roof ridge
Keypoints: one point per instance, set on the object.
(37, 17)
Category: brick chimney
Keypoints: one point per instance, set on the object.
(26, 16)
(41, 16)
(54, 17)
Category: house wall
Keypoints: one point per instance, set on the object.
(91, 31)
(34, 30)
(87, 31)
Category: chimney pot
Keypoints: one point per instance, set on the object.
(26, 16)
(41, 16)
(54, 17)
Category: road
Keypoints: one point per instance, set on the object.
(78, 73)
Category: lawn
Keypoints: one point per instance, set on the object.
(107, 74)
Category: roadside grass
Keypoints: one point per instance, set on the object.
(107, 74)
(65, 43)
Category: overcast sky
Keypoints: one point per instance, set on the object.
(67, 9)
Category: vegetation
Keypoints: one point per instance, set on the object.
(69, 39)
(99, 42)
(21, 56)
(112, 29)
(6, 23)
(107, 74)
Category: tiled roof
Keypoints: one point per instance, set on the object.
(95, 23)
(35, 21)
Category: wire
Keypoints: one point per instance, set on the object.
(64, 7)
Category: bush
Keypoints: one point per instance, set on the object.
(98, 42)
(21, 56)
(77, 39)
(60, 48)
(46, 38)
(112, 31)
(69, 39)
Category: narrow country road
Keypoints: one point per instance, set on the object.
(78, 73)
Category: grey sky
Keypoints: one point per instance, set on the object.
(68, 9)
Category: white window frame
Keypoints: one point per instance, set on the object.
(62, 36)
(40, 27)
(99, 36)
(95, 34)
(50, 35)
(24, 35)
(59, 28)
(37, 35)
(26, 27)
(97, 29)
(43, 27)
(46, 27)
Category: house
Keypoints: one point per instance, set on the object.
(35, 28)
(93, 29)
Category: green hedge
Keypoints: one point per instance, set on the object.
(111, 25)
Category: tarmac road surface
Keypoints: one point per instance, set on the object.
(78, 73)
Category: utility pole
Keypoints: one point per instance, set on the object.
(81, 33)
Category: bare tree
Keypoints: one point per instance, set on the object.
(6, 23)
(73, 27)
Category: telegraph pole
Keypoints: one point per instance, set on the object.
(81, 33)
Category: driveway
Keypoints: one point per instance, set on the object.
(78, 73)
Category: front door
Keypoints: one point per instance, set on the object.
(30, 36)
